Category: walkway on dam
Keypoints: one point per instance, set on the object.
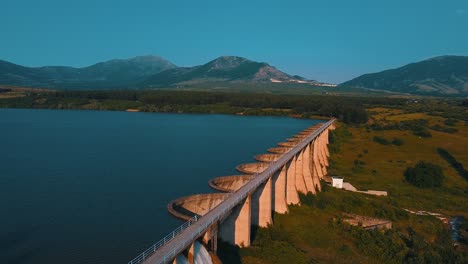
(185, 238)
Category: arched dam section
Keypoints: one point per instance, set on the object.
(294, 139)
(288, 144)
(268, 157)
(186, 208)
(267, 186)
(279, 150)
(229, 183)
(253, 168)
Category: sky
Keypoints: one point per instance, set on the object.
(331, 41)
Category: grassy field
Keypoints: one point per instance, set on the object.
(385, 164)
(314, 233)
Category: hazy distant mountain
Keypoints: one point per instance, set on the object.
(118, 72)
(146, 72)
(127, 69)
(445, 75)
(224, 69)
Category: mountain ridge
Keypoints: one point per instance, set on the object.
(111, 72)
(145, 72)
(224, 68)
(442, 75)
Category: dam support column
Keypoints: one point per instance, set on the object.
(313, 173)
(319, 155)
(313, 164)
(316, 164)
(181, 259)
(327, 141)
(306, 170)
(243, 223)
(323, 157)
(317, 158)
(300, 184)
(262, 204)
(236, 227)
(211, 237)
(325, 147)
(292, 197)
(280, 191)
(191, 254)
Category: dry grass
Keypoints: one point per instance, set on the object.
(385, 164)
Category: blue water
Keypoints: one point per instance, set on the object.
(92, 187)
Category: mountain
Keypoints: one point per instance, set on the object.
(117, 72)
(147, 72)
(445, 75)
(222, 69)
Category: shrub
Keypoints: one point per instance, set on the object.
(381, 140)
(464, 102)
(397, 142)
(450, 130)
(358, 162)
(422, 133)
(384, 141)
(450, 121)
(424, 175)
(414, 125)
(358, 165)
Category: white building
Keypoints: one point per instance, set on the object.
(337, 182)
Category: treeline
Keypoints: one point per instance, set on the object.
(417, 126)
(348, 109)
(465, 102)
(453, 162)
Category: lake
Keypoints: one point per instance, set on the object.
(92, 186)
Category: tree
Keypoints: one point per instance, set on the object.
(424, 175)
(464, 102)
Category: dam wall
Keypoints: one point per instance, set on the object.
(263, 188)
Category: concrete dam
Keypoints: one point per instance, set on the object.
(262, 188)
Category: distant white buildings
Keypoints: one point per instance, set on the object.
(313, 83)
(326, 84)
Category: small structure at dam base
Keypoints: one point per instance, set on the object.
(337, 182)
(367, 223)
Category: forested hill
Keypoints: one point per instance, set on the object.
(445, 75)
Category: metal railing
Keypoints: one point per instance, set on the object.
(140, 258)
(198, 225)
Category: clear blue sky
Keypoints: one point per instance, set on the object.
(332, 40)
